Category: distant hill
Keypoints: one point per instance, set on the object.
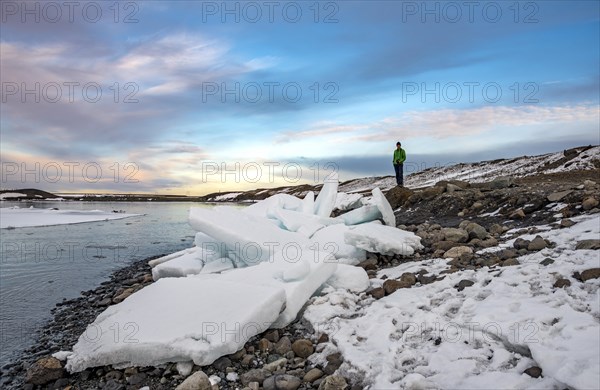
(25, 194)
(575, 159)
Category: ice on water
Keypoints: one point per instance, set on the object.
(253, 268)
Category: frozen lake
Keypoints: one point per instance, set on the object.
(42, 265)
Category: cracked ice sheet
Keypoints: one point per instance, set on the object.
(392, 340)
(172, 320)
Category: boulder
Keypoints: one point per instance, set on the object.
(589, 203)
(588, 244)
(44, 370)
(475, 230)
(538, 243)
(457, 251)
(303, 348)
(196, 381)
(398, 196)
(455, 235)
(333, 382)
(558, 196)
(282, 382)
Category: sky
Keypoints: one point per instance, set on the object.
(194, 97)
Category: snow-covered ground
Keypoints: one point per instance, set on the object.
(483, 337)
(15, 217)
(481, 171)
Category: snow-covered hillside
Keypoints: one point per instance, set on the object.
(581, 158)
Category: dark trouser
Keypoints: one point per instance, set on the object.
(399, 174)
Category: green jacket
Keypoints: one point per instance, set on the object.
(399, 156)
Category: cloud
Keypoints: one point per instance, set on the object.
(446, 123)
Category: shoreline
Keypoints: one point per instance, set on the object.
(76, 313)
(270, 354)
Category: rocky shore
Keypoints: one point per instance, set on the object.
(277, 359)
(455, 221)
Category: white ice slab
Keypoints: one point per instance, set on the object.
(15, 217)
(383, 239)
(331, 240)
(296, 221)
(283, 201)
(326, 199)
(384, 206)
(175, 320)
(362, 214)
(186, 264)
(308, 203)
(314, 268)
(217, 266)
(344, 201)
(252, 239)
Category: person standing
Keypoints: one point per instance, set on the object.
(399, 158)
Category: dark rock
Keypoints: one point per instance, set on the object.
(509, 262)
(534, 372)
(455, 235)
(521, 243)
(334, 361)
(377, 292)
(114, 374)
(558, 196)
(496, 229)
(426, 279)
(560, 283)
(464, 284)
(303, 348)
(122, 296)
(272, 335)
(476, 231)
(565, 223)
(589, 203)
(408, 278)
(444, 245)
(391, 285)
(222, 363)
(398, 196)
(282, 382)
(283, 346)
(239, 354)
(197, 381)
(505, 254)
(517, 214)
(457, 251)
(547, 261)
(592, 273)
(44, 370)
(431, 192)
(588, 244)
(265, 345)
(137, 379)
(323, 338)
(60, 383)
(113, 385)
(333, 382)
(312, 375)
(369, 264)
(257, 375)
(538, 243)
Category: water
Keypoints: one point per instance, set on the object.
(40, 266)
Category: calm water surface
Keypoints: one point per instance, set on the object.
(40, 266)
